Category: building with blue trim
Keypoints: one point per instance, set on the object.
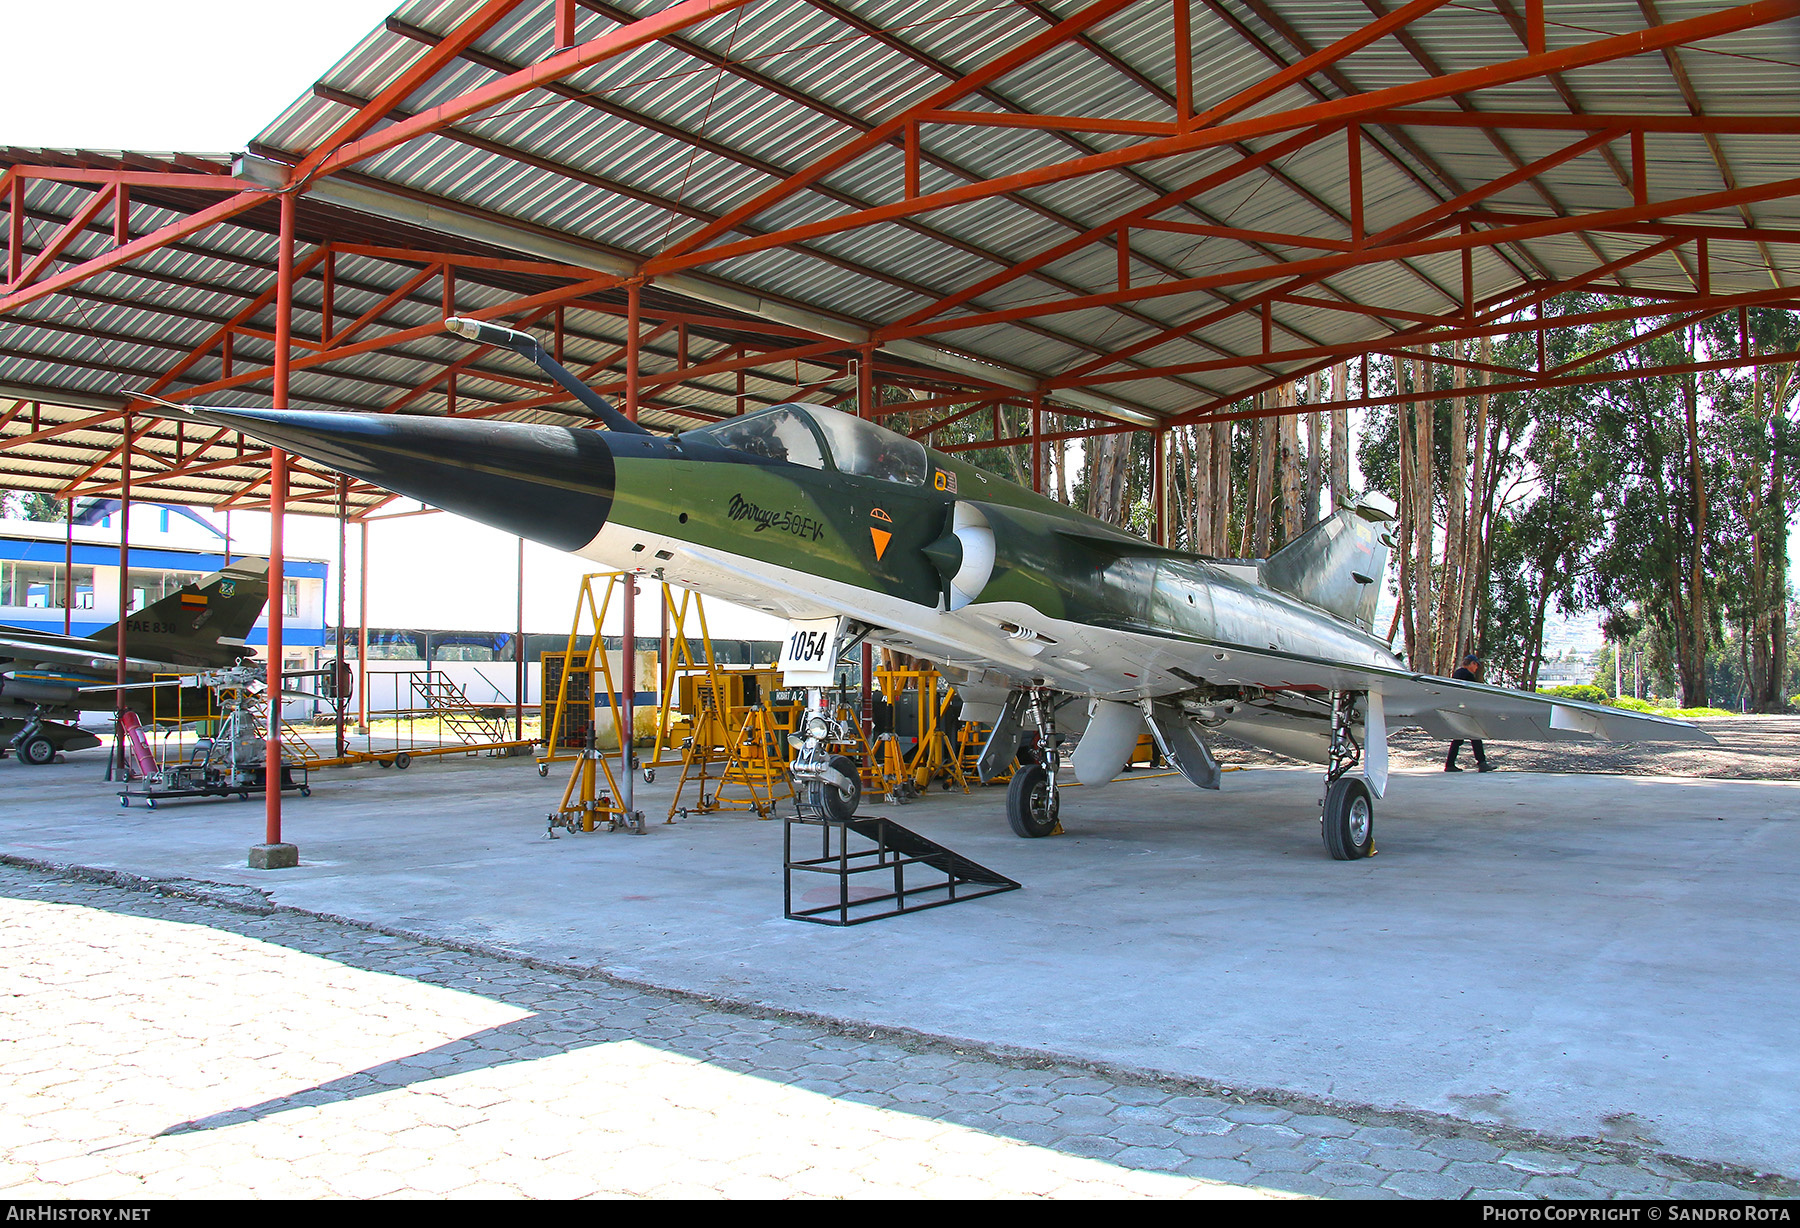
(164, 556)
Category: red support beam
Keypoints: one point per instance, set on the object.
(121, 215)
(1184, 61)
(15, 225)
(1206, 131)
(61, 239)
(143, 245)
(562, 64)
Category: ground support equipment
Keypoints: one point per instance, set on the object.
(892, 854)
(231, 762)
(933, 756)
(586, 805)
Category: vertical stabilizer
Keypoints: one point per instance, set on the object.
(1338, 564)
(204, 624)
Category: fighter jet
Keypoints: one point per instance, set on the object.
(46, 679)
(855, 531)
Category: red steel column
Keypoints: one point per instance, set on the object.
(337, 679)
(519, 653)
(362, 636)
(1159, 483)
(865, 409)
(69, 569)
(631, 351)
(284, 323)
(124, 554)
(865, 384)
(1037, 440)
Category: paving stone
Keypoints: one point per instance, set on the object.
(1486, 1176)
(1348, 1173)
(407, 1071)
(1455, 1148)
(1210, 1168)
(1278, 1160)
(1406, 1159)
(1157, 1159)
(1146, 1136)
(1563, 1187)
(1260, 1114)
(1543, 1163)
(1702, 1190)
(1388, 1136)
(1427, 1185)
(1625, 1179)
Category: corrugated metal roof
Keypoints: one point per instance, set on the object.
(630, 156)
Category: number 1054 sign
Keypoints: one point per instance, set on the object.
(809, 654)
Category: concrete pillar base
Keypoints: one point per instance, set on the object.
(274, 856)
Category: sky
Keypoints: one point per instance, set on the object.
(203, 76)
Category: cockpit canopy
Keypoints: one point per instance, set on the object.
(819, 437)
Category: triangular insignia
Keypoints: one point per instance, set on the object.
(881, 538)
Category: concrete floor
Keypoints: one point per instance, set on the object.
(1587, 956)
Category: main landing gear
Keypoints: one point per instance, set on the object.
(1033, 799)
(1349, 815)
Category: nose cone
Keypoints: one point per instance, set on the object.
(549, 483)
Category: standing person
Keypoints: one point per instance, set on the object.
(1469, 671)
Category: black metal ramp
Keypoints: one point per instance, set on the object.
(892, 851)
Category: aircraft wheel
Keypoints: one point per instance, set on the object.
(402, 760)
(1028, 805)
(37, 751)
(1349, 819)
(833, 802)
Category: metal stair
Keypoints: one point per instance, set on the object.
(454, 711)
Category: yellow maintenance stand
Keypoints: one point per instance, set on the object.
(933, 756)
(737, 752)
(585, 681)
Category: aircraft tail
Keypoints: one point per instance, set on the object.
(1338, 564)
(204, 624)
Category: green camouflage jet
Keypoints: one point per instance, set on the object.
(47, 680)
(1049, 615)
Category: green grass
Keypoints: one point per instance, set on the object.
(1683, 714)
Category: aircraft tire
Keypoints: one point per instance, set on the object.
(831, 801)
(1027, 802)
(1349, 819)
(37, 751)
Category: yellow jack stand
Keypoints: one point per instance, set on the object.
(585, 804)
(933, 757)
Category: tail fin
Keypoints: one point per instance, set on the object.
(1338, 564)
(204, 624)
